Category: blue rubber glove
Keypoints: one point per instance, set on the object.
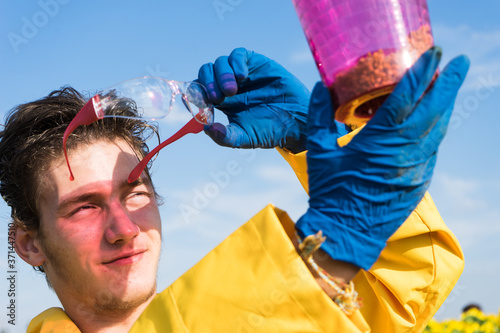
(266, 106)
(361, 193)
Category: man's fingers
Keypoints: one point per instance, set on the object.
(225, 77)
(238, 60)
(321, 111)
(400, 104)
(206, 76)
(222, 77)
(321, 126)
(226, 136)
(441, 98)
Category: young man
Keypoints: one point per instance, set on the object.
(98, 237)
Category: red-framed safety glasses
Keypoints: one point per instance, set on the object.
(182, 107)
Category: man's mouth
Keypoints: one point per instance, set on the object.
(126, 258)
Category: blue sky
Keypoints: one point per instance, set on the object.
(92, 45)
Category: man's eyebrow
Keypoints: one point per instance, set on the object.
(138, 182)
(91, 196)
(78, 199)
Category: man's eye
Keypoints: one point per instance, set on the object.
(82, 209)
(142, 195)
(138, 194)
(139, 198)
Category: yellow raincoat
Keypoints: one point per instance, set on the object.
(254, 281)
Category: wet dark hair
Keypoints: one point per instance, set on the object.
(32, 138)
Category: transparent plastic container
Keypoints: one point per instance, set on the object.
(363, 47)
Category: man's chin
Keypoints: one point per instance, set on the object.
(127, 286)
(108, 301)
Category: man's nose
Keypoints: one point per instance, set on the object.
(121, 227)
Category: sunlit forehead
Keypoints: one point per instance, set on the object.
(102, 162)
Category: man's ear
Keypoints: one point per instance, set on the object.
(28, 246)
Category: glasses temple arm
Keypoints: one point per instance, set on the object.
(192, 126)
(86, 116)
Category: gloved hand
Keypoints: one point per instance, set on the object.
(361, 193)
(266, 105)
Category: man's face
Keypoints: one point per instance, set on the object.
(101, 236)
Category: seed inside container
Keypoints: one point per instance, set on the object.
(362, 88)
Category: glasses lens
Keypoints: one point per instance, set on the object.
(195, 99)
(155, 99)
(150, 96)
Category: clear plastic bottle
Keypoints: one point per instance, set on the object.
(363, 47)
